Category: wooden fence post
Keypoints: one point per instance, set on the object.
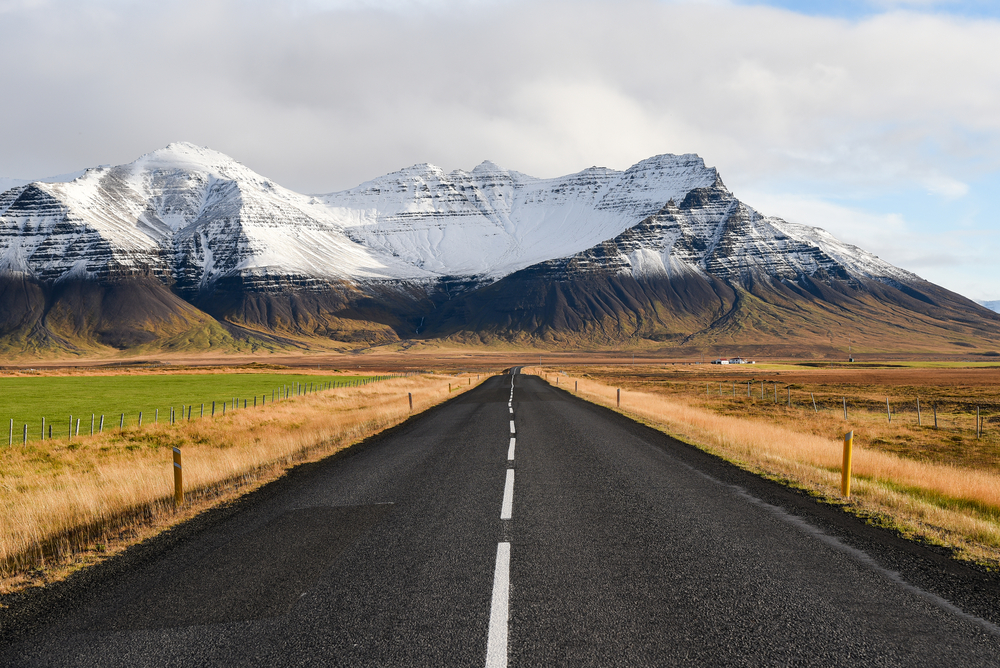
(178, 479)
(410, 396)
(815, 410)
(934, 406)
(619, 397)
(888, 412)
(918, 411)
(845, 407)
(845, 471)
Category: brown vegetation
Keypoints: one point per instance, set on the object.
(62, 500)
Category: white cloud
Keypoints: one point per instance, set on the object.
(323, 94)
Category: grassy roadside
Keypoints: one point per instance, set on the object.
(67, 504)
(30, 398)
(928, 498)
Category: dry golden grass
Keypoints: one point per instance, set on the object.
(60, 499)
(948, 504)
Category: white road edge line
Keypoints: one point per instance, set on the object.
(508, 496)
(496, 643)
(511, 409)
(510, 450)
(512, 426)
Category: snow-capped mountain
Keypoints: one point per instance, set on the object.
(192, 215)
(417, 251)
(184, 214)
(491, 222)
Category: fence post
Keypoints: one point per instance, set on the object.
(101, 430)
(815, 410)
(70, 427)
(78, 426)
(25, 443)
(845, 407)
(789, 388)
(91, 424)
(888, 413)
(576, 385)
(619, 397)
(845, 471)
(140, 418)
(43, 429)
(410, 396)
(178, 479)
(934, 406)
(10, 442)
(979, 424)
(121, 425)
(918, 411)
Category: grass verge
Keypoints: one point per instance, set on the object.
(67, 504)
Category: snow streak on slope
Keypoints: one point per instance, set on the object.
(490, 222)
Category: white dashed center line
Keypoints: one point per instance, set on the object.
(508, 496)
(496, 645)
(510, 450)
(512, 426)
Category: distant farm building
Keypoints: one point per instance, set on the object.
(734, 360)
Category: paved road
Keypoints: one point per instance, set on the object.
(516, 524)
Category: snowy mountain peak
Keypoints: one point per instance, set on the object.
(489, 167)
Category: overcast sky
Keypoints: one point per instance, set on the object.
(878, 120)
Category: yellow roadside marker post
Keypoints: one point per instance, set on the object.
(845, 472)
(178, 479)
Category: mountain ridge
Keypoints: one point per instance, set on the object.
(661, 252)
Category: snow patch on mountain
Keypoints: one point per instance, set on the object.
(491, 221)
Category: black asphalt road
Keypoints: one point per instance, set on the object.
(626, 548)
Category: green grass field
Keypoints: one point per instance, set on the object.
(27, 400)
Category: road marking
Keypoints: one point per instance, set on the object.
(511, 409)
(510, 450)
(508, 496)
(512, 426)
(496, 644)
